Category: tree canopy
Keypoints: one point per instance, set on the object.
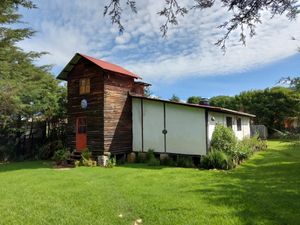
(174, 98)
(194, 100)
(271, 105)
(27, 92)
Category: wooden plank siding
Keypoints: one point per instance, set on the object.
(94, 111)
(117, 114)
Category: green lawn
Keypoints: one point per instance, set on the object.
(265, 190)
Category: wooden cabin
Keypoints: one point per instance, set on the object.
(99, 108)
(108, 112)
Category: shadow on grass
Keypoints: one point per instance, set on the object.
(141, 166)
(264, 191)
(5, 167)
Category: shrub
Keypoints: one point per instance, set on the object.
(223, 139)
(77, 163)
(61, 156)
(168, 161)
(86, 154)
(140, 157)
(153, 162)
(184, 161)
(111, 162)
(150, 158)
(88, 162)
(217, 160)
(150, 155)
(47, 150)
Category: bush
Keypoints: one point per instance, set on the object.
(61, 156)
(168, 161)
(150, 158)
(140, 157)
(223, 139)
(185, 161)
(86, 154)
(153, 162)
(111, 162)
(87, 162)
(217, 160)
(47, 150)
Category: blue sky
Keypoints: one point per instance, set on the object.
(185, 63)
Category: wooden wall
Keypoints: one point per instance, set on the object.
(109, 111)
(94, 111)
(117, 113)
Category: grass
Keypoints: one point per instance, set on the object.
(264, 190)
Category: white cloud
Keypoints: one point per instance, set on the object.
(189, 50)
(123, 39)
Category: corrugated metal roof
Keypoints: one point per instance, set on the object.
(103, 64)
(211, 108)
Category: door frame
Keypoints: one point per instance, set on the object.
(81, 135)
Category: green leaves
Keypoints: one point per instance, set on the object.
(271, 106)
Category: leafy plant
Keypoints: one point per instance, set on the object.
(184, 161)
(47, 150)
(141, 157)
(151, 160)
(168, 161)
(60, 156)
(111, 162)
(223, 139)
(216, 159)
(86, 154)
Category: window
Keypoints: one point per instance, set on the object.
(84, 86)
(239, 124)
(229, 122)
(81, 125)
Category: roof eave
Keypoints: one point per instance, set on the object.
(63, 75)
(211, 108)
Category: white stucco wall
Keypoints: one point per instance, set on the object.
(186, 130)
(185, 125)
(136, 125)
(153, 118)
(220, 118)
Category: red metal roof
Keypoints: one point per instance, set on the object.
(110, 66)
(103, 64)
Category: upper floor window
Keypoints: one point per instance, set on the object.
(84, 86)
(229, 122)
(239, 124)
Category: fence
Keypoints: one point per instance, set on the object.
(261, 130)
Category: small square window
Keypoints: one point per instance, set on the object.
(81, 124)
(84, 86)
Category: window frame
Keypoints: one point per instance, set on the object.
(81, 125)
(84, 86)
(229, 118)
(239, 124)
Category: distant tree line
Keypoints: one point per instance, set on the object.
(272, 106)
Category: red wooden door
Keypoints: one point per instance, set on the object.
(81, 137)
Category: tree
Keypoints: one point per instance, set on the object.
(223, 101)
(27, 92)
(245, 15)
(174, 98)
(271, 105)
(194, 99)
(292, 82)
